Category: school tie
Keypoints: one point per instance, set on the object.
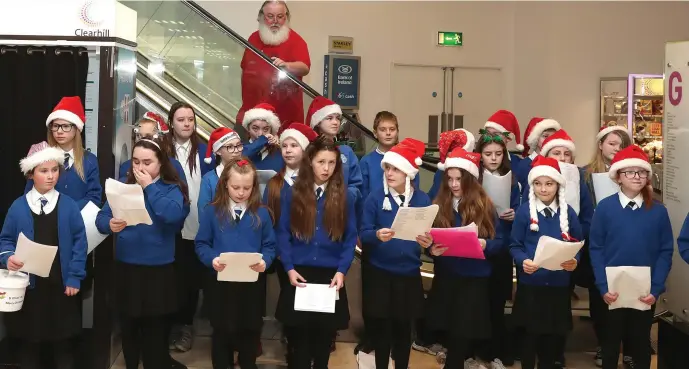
(319, 193)
(401, 199)
(237, 215)
(66, 164)
(44, 201)
(631, 205)
(548, 213)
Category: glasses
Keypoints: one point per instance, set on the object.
(631, 174)
(232, 149)
(273, 17)
(65, 127)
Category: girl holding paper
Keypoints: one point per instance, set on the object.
(263, 126)
(459, 298)
(50, 314)
(316, 240)
(145, 290)
(449, 140)
(542, 305)
(392, 289)
(235, 222)
(630, 230)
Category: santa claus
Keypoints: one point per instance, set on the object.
(261, 82)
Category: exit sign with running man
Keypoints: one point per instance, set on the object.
(449, 38)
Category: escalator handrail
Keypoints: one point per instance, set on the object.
(308, 89)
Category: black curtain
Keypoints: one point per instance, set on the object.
(33, 80)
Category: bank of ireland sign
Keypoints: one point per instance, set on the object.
(341, 78)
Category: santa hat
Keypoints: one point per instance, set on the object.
(218, 139)
(405, 156)
(38, 154)
(557, 139)
(462, 159)
(548, 167)
(320, 108)
(605, 130)
(630, 156)
(262, 111)
(70, 109)
(535, 129)
(301, 133)
(155, 118)
(505, 121)
(451, 139)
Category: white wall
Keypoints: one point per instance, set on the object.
(551, 54)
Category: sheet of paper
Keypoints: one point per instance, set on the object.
(572, 177)
(263, 177)
(38, 259)
(94, 238)
(412, 222)
(319, 298)
(499, 189)
(630, 283)
(551, 252)
(603, 186)
(461, 241)
(237, 266)
(127, 202)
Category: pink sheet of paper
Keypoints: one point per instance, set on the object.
(460, 242)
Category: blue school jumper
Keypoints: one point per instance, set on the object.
(81, 191)
(395, 256)
(320, 250)
(127, 165)
(71, 232)
(524, 242)
(624, 237)
(250, 234)
(272, 161)
(150, 244)
(683, 240)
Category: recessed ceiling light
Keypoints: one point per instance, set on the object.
(164, 21)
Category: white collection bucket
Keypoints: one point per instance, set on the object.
(12, 290)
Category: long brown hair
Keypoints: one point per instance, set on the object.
(303, 211)
(505, 166)
(77, 150)
(193, 140)
(222, 199)
(475, 207)
(274, 187)
(597, 163)
(168, 173)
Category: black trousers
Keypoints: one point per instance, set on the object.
(496, 346)
(391, 337)
(632, 329)
(62, 352)
(144, 338)
(189, 274)
(458, 348)
(544, 347)
(311, 344)
(225, 343)
(599, 310)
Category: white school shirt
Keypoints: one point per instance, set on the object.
(71, 158)
(540, 207)
(322, 187)
(235, 206)
(624, 200)
(396, 196)
(289, 173)
(33, 197)
(455, 203)
(191, 224)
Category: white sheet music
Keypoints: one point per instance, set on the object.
(37, 258)
(89, 214)
(412, 222)
(319, 298)
(572, 178)
(551, 252)
(127, 202)
(263, 177)
(237, 266)
(630, 283)
(603, 186)
(499, 189)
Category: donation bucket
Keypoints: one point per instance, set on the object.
(12, 289)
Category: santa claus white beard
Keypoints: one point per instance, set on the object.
(273, 38)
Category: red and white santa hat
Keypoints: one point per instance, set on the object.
(505, 121)
(630, 156)
(405, 156)
(265, 112)
(319, 109)
(462, 159)
(557, 139)
(38, 154)
(548, 167)
(449, 140)
(218, 139)
(535, 129)
(605, 130)
(70, 109)
(161, 125)
(301, 133)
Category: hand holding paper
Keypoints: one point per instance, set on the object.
(38, 259)
(412, 222)
(460, 241)
(127, 202)
(551, 253)
(238, 266)
(316, 298)
(631, 284)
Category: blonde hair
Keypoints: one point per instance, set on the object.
(78, 150)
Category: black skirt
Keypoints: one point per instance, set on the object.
(286, 314)
(234, 306)
(391, 296)
(145, 290)
(460, 305)
(189, 270)
(543, 309)
(501, 277)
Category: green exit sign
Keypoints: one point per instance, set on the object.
(449, 38)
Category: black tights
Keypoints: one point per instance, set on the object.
(62, 351)
(391, 336)
(144, 338)
(225, 343)
(457, 350)
(545, 347)
(310, 344)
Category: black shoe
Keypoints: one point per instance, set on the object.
(174, 364)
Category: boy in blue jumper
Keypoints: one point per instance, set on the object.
(449, 140)
(392, 286)
(263, 126)
(50, 314)
(542, 305)
(630, 229)
(235, 222)
(536, 132)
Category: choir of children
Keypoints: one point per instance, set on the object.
(307, 223)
